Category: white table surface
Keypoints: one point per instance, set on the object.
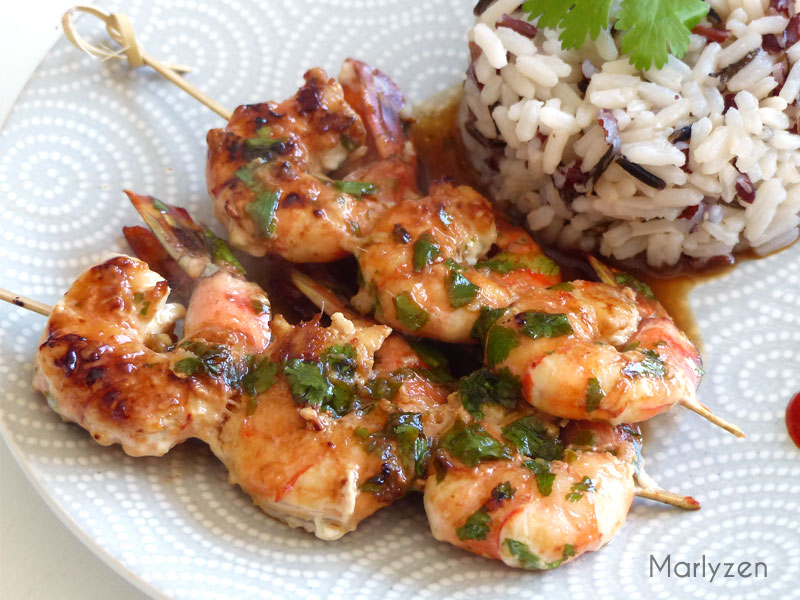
(40, 559)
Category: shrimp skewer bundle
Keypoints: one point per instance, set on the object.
(308, 426)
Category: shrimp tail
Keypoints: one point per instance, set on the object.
(145, 246)
(604, 272)
(194, 246)
(324, 298)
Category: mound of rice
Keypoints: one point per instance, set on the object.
(675, 166)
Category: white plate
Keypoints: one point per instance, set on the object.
(82, 131)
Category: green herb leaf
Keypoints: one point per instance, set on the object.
(260, 377)
(487, 318)
(409, 313)
(355, 188)
(528, 560)
(425, 251)
(651, 366)
(652, 26)
(215, 360)
(636, 285)
(160, 206)
(262, 211)
(500, 341)
(145, 308)
(264, 140)
(476, 527)
(539, 324)
(340, 362)
(580, 488)
(387, 386)
(460, 290)
(307, 382)
(632, 346)
(503, 491)
(594, 395)
(506, 262)
(471, 444)
(564, 286)
(484, 387)
(532, 439)
(361, 432)
(189, 366)
(221, 253)
(406, 430)
(544, 477)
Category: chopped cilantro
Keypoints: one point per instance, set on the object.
(145, 308)
(386, 387)
(471, 444)
(500, 341)
(544, 477)
(650, 366)
(409, 313)
(528, 560)
(484, 387)
(476, 527)
(425, 251)
(414, 448)
(594, 395)
(628, 280)
(189, 366)
(262, 211)
(437, 367)
(585, 437)
(506, 262)
(264, 140)
(214, 360)
(355, 188)
(487, 318)
(564, 286)
(580, 488)
(220, 251)
(652, 28)
(361, 432)
(307, 382)
(340, 360)
(540, 324)
(503, 491)
(260, 377)
(460, 290)
(532, 439)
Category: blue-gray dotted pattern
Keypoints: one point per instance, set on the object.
(82, 131)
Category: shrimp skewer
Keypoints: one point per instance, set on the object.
(597, 351)
(427, 269)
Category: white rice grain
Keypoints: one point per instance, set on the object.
(491, 45)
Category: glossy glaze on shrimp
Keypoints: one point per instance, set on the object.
(273, 171)
(426, 267)
(108, 362)
(510, 485)
(595, 351)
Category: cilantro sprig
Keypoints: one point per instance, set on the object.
(652, 29)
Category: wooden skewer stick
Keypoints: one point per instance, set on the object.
(665, 497)
(120, 29)
(704, 412)
(34, 305)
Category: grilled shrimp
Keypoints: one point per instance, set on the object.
(421, 265)
(510, 485)
(107, 360)
(270, 170)
(326, 459)
(595, 351)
